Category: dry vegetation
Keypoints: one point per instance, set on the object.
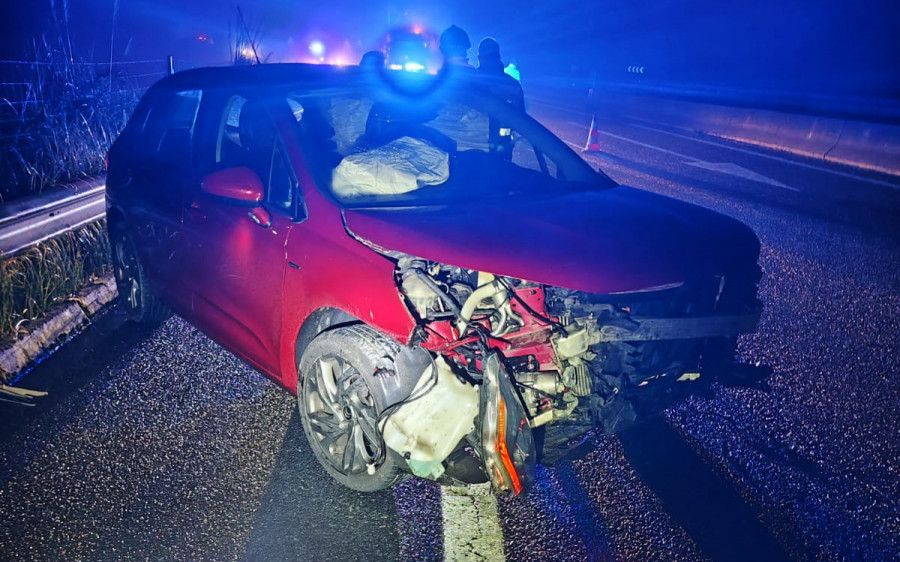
(60, 124)
(58, 117)
(42, 276)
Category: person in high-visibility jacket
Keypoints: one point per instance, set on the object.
(512, 69)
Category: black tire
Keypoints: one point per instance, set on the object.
(136, 296)
(338, 407)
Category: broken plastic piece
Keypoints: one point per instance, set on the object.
(425, 431)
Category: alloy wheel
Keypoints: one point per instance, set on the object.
(342, 416)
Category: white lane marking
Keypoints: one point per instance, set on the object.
(769, 156)
(645, 145)
(602, 155)
(723, 167)
(738, 171)
(471, 524)
(560, 107)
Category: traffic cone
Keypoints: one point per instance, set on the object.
(593, 142)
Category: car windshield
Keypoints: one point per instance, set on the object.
(374, 145)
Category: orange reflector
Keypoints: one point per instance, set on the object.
(503, 450)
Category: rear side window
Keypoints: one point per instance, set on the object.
(169, 127)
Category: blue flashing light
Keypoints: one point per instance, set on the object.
(413, 67)
(317, 48)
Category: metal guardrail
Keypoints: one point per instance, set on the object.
(876, 109)
(871, 109)
(29, 221)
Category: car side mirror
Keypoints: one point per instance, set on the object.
(237, 184)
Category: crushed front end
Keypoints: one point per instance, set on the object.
(559, 362)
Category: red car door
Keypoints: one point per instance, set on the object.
(238, 248)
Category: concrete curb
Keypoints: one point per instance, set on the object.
(63, 320)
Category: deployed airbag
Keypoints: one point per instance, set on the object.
(401, 166)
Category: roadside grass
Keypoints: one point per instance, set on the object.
(58, 118)
(32, 282)
(60, 124)
(54, 129)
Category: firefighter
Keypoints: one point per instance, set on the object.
(500, 84)
(455, 45)
(492, 69)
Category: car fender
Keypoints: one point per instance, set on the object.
(321, 320)
(332, 278)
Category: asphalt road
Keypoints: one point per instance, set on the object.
(158, 445)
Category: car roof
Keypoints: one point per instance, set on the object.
(257, 75)
(310, 77)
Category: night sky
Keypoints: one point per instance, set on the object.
(831, 46)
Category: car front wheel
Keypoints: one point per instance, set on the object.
(339, 409)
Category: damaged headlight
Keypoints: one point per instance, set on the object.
(507, 441)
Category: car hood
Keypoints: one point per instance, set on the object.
(611, 241)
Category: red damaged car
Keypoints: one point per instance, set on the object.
(448, 288)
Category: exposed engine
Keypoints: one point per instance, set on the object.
(463, 314)
(575, 360)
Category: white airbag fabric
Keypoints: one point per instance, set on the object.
(401, 166)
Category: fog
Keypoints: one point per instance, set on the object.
(830, 46)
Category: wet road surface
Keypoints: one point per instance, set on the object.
(159, 445)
